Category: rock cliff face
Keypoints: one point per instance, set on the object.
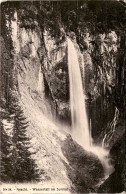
(31, 92)
(99, 79)
(40, 69)
(40, 73)
(116, 181)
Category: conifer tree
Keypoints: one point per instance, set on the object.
(17, 164)
(6, 145)
(26, 168)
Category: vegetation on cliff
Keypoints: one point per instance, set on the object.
(17, 164)
(99, 22)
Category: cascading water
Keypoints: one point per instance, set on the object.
(80, 128)
(112, 125)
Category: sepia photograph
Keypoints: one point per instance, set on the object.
(63, 96)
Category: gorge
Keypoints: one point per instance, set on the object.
(63, 95)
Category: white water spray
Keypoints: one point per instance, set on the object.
(80, 128)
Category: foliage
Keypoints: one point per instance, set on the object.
(5, 154)
(17, 162)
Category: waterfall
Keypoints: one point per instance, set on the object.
(108, 135)
(80, 128)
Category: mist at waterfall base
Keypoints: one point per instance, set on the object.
(80, 128)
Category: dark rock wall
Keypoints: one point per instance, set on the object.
(98, 32)
(116, 183)
(85, 171)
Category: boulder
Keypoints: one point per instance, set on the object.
(84, 169)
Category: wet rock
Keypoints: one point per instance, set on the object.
(25, 51)
(85, 169)
(116, 183)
